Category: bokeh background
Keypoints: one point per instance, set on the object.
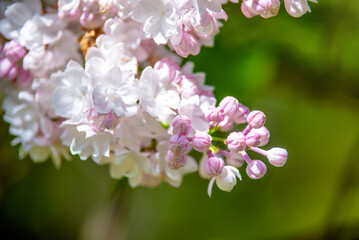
(303, 73)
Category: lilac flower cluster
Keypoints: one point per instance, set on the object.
(102, 79)
(224, 118)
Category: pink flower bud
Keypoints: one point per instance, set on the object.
(214, 115)
(277, 156)
(181, 125)
(253, 139)
(201, 141)
(235, 159)
(175, 161)
(229, 106)
(226, 125)
(214, 166)
(241, 114)
(8, 69)
(256, 169)
(236, 141)
(14, 51)
(264, 135)
(188, 45)
(178, 144)
(256, 119)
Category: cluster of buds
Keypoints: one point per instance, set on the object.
(224, 118)
(179, 142)
(11, 56)
(176, 156)
(226, 115)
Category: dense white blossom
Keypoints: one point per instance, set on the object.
(102, 79)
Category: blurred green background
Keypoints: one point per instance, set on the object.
(303, 73)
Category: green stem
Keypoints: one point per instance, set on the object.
(218, 139)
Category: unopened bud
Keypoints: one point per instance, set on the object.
(201, 141)
(256, 119)
(8, 69)
(264, 135)
(236, 141)
(253, 139)
(229, 106)
(214, 166)
(181, 125)
(256, 169)
(226, 125)
(175, 161)
(241, 114)
(14, 51)
(178, 144)
(214, 115)
(277, 156)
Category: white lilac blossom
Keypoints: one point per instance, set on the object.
(226, 180)
(17, 15)
(127, 32)
(25, 23)
(84, 140)
(157, 96)
(159, 18)
(47, 59)
(102, 79)
(72, 94)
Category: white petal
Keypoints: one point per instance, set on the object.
(145, 9)
(226, 180)
(210, 186)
